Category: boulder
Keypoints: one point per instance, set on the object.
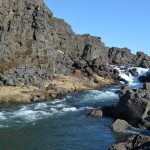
(121, 79)
(131, 106)
(89, 71)
(95, 113)
(130, 110)
(133, 71)
(38, 98)
(120, 125)
(108, 111)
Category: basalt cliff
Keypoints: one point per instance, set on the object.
(35, 46)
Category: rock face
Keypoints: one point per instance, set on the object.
(26, 74)
(142, 60)
(124, 57)
(30, 34)
(120, 56)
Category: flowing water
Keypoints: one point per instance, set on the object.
(61, 124)
(58, 125)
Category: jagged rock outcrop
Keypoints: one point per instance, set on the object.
(142, 60)
(120, 56)
(29, 34)
(124, 57)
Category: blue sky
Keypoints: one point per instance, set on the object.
(120, 23)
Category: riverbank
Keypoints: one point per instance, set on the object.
(51, 89)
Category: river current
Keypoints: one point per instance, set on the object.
(58, 125)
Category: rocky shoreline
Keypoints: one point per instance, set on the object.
(133, 109)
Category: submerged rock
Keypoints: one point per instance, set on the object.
(95, 113)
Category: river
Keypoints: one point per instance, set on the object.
(58, 125)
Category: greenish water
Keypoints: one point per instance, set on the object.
(58, 125)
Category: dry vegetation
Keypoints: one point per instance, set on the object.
(69, 83)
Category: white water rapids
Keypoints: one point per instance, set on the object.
(133, 81)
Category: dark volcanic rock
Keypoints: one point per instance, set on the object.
(30, 34)
(124, 57)
(142, 60)
(120, 57)
(132, 105)
(133, 72)
(87, 52)
(145, 78)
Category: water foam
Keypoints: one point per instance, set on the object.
(132, 80)
(133, 130)
(2, 116)
(34, 112)
(69, 109)
(96, 95)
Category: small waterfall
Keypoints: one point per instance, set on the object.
(132, 74)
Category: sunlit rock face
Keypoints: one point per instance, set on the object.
(124, 57)
(28, 30)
